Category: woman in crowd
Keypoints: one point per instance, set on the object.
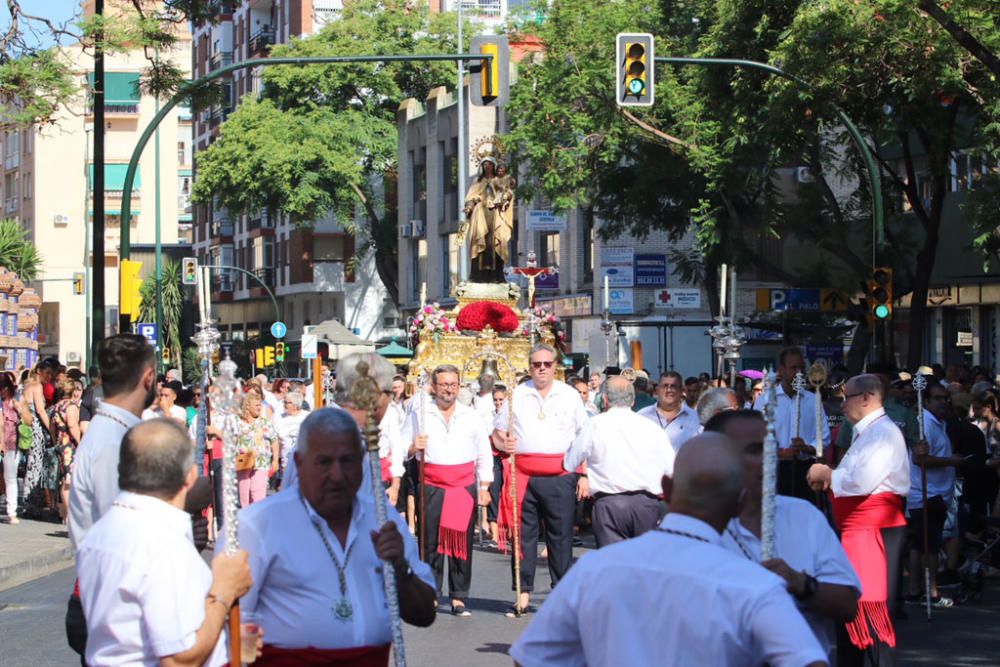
(41, 472)
(66, 435)
(11, 454)
(257, 438)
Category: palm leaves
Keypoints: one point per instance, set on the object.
(17, 252)
(173, 305)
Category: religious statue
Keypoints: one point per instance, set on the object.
(489, 215)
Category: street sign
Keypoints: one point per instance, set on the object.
(833, 300)
(621, 301)
(545, 221)
(278, 330)
(650, 270)
(189, 270)
(618, 264)
(791, 300)
(149, 331)
(310, 346)
(679, 298)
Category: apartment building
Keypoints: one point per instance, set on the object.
(47, 177)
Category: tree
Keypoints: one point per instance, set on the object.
(17, 252)
(324, 137)
(172, 292)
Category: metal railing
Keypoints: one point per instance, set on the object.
(117, 108)
(222, 227)
(220, 59)
(260, 40)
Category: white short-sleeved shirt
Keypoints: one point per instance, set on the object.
(680, 429)
(142, 584)
(95, 469)
(804, 539)
(544, 425)
(459, 440)
(390, 440)
(940, 481)
(295, 587)
(784, 418)
(671, 600)
(176, 412)
(877, 461)
(287, 427)
(624, 452)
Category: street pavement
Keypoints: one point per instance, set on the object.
(32, 634)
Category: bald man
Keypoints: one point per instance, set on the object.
(627, 455)
(713, 607)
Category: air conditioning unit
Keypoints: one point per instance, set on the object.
(419, 228)
(73, 357)
(60, 219)
(804, 175)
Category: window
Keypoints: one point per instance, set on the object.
(181, 152)
(588, 244)
(550, 249)
(419, 184)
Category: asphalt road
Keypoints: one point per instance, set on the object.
(32, 635)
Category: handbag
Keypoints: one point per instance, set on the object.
(245, 462)
(25, 436)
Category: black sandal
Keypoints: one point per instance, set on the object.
(517, 612)
(460, 610)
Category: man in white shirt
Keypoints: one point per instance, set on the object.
(391, 448)
(317, 553)
(868, 488)
(934, 452)
(148, 596)
(548, 415)
(711, 606)
(808, 554)
(794, 454)
(583, 388)
(671, 413)
(455, 446)
(166, 404)
(626, 456)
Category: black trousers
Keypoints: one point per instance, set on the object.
(620, 516)
(216, 465)
(552, 500)
(879, 654)
(792, 479)
(76, 627)
(459, 571)
(496, 488)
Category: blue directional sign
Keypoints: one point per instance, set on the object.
(149, 331)
(278, 330)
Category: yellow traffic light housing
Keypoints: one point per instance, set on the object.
(279, 352)
(635, 80)
(489, 79)
(129, 283)
(165, 356)
(79, 286)
(880, 294)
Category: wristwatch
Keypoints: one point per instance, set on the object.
(809, 588)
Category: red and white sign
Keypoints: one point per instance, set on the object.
(675, 297)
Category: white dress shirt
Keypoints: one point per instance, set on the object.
(287, 427)
(804, 539)
(940, 481)
(624, 452)
(784, 418)
(142, 584)
(670, 600)
(544, 425)
(95, 469)
(176, 412)
(876, 462)
(390, 438)
(461, 439)
(295, 587)
(680, 429)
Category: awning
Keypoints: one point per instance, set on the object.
(114, 177)
(115, 211)
(119, 87)
(395, 351)
(340, 340)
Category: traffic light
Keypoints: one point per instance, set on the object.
(78, 283)
(279, 352)
(189, 271)
(129, 283)
(165, 355)
(490, 80)
(635, 63)
(880, 293)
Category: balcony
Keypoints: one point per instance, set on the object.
(265, 275)
(219, 115)
(259, 41)
(222, 227)
(260, 220)
(219, 60)
(117, 109)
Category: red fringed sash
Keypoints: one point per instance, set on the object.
(528, 466)
(386, 464)
(861, 520)
(362, 656)
(453, 529)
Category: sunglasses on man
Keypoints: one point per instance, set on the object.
(539, 364)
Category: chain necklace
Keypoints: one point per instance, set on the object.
(343, 610)
(117, 420)
(739, 543)
(681, 533)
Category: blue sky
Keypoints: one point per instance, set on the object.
(58, 11)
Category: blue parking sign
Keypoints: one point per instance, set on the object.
(149, 331)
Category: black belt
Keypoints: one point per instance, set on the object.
(601, 494)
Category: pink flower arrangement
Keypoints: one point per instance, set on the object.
(431, 319)
(541, 318)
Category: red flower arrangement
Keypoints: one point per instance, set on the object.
(476, 317)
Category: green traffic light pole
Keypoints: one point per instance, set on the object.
(874, 177)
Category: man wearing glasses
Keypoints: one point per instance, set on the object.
(455, 446)
(869, 486)
(548, 415)
(678, 419)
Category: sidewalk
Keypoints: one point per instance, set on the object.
(32, 549)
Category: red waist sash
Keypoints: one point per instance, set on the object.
(453, 528)
(362, 656)
(386, 463)
(528, 466)
(860, 520)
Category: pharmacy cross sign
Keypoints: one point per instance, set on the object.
(665, 296)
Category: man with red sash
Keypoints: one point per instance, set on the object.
(548, 415)
(868, 488)
(317, 552)
(455, 446)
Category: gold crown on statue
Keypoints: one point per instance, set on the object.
(487, 148)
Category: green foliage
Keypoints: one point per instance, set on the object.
(322, 136)
(33, 88)
(17, 252)
(172, 292)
